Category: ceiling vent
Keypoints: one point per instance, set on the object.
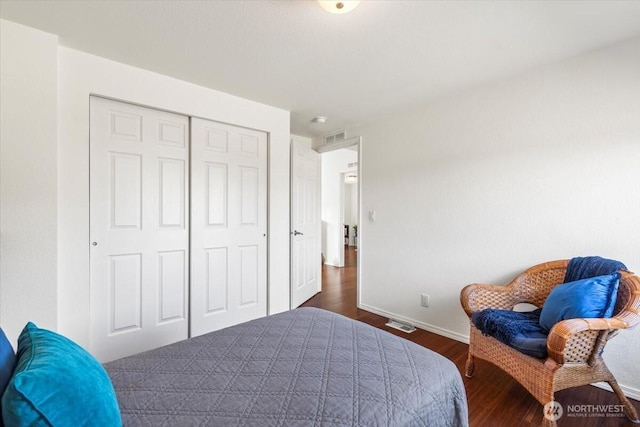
(335, 137)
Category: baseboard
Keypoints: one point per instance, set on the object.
(427, 327)
(630, 392)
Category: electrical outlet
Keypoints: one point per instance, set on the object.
(424, 300)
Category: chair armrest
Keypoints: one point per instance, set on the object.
(576, 340)
(477, 297)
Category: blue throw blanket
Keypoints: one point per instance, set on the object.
(591, 266)
(506, 325)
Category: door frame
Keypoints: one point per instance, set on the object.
(350, 142)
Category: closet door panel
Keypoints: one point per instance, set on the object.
(172, 273)
(228, 225)
(172, 193)
(217, 194)
(139, 228)
(216, 282)
(125, 289)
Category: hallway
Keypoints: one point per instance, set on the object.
(339, 288)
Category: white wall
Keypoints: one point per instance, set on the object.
(28, 177)
(334, 163)
(482, 184)
(44, 268)
(81, 75)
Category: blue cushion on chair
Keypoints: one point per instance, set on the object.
(7, 365)
(531, 343)
(519, 330)
(57, 383)
(594, 297)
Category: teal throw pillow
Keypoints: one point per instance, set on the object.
(57, 383)
(7, 365)
(594, 297)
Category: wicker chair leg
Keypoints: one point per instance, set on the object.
(470, 366)
(545, 398)
(629, 409)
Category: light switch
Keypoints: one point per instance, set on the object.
(372, 216)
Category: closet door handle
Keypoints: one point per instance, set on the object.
(297, 233)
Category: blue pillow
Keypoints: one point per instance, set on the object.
(57, 383)
(7, 365)
(594, 297)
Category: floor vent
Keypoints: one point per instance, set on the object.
(401, 326)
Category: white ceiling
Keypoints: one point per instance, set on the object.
(383, 56)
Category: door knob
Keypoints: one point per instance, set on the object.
(297, 233)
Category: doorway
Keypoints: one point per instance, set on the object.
(341, 190)
(341, 218)
(314, 234)
(338, 204)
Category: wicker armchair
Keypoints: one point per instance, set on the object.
(574, 346)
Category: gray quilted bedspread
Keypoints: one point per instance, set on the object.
(306, 367)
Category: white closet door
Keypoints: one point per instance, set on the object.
(228, 225)
(139, 219)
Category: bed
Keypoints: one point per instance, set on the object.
(299, 368)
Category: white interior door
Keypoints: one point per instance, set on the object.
(228, 225)
(305, 223)
(139, 220)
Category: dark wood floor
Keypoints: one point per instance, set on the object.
(495, 399)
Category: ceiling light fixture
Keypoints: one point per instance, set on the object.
(319, 119)
(339, 6)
